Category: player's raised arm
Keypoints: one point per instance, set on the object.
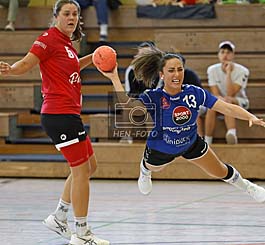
(104, 58)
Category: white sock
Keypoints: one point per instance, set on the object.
(144, 170)
(231, 131)
(81, 226)
(208, 139)
(103, 30)
(62, 210)
(237, 180)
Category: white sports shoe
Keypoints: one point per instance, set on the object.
(60, 227)
(255, 191)
(231, 139)
(145, 183)
(88, 239)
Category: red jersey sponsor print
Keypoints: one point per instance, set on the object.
(60, 73)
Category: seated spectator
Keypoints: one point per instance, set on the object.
(13, 6)
(227, 81)
(101, 7)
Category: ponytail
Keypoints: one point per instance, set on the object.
(147, 65)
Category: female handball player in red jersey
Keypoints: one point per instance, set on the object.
(60, 115)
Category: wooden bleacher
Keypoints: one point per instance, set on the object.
(118, 161)
(8, 122)
(20, 96)
(202, 40)
(228, 16)
(197, 40)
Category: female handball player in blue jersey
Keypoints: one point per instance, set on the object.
(174, 110)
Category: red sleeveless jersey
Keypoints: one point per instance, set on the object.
(60, 73)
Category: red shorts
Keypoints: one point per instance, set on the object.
(78, 153)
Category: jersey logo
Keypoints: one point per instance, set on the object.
(63, 137)
(81, 133)
(74, 78)
(165, 103)
(41, 44)
(181, 115)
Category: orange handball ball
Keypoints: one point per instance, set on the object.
(104, 57)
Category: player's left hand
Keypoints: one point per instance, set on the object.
(110, 74)
(256, 121)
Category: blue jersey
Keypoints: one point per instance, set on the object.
(174, 117)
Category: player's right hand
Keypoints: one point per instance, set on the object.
(4, 68)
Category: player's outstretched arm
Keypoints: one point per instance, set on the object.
(20, 67)
(237, 112)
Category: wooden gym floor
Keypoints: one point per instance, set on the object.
(176, 212)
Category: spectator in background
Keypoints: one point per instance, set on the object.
(12, 6)
(101, 7)
(227, 81)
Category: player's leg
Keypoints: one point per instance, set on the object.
(204, 157)
(82, 164)
(57, 221)
(152, 161)
(70, 138)
(66, 195)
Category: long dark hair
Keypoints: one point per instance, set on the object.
(77, 34)
(148, 64)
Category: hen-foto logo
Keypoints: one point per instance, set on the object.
(165, 103)
(181, 115)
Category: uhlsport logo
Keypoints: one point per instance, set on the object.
(181, 115)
